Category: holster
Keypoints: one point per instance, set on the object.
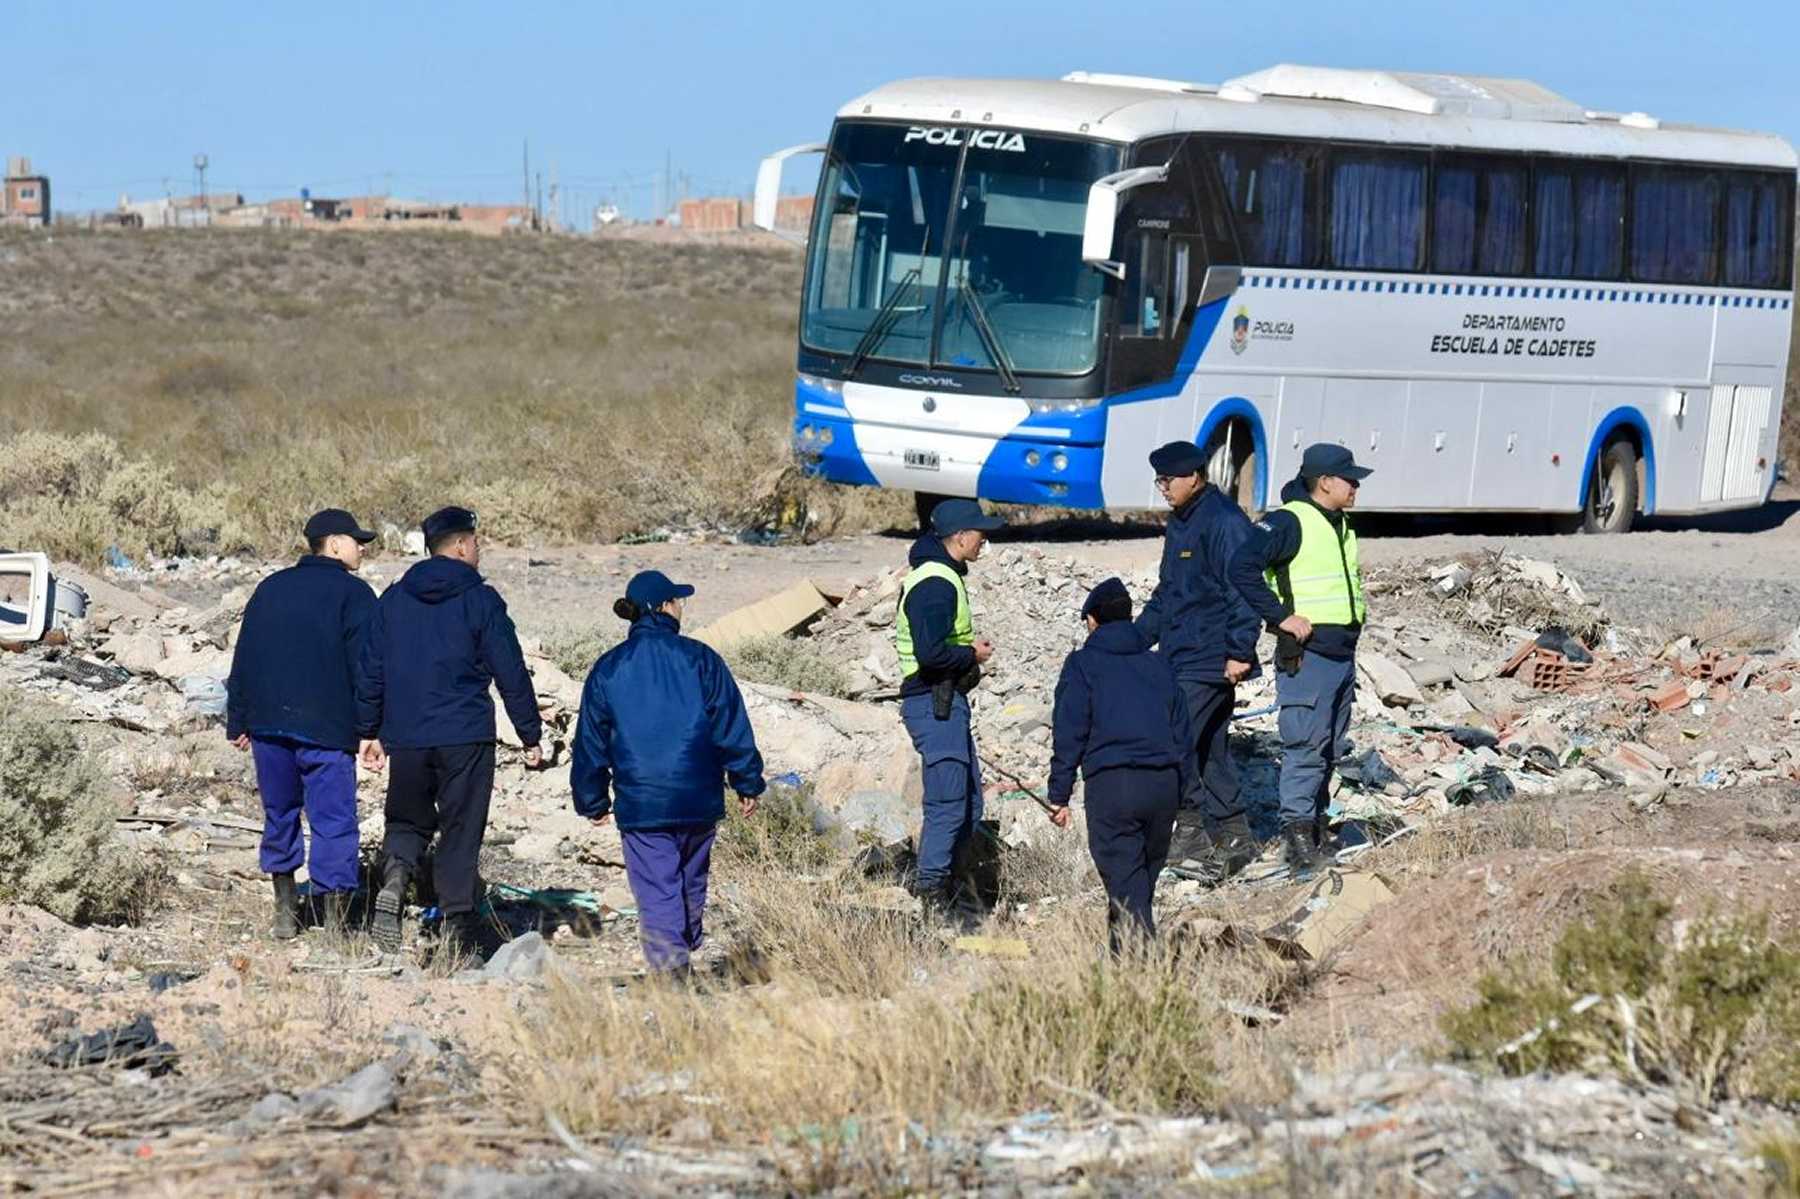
(943, 695)
(969, 679)
(1288, 652)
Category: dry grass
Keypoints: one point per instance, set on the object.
(869, 1024)
(565, 389)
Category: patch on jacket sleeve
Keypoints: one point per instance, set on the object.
(1187, 553)
(1264, 526)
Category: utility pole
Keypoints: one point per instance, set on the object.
(540, 200)
(668, 192)
(527, 169)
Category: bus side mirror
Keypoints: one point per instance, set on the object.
(1103, 214)
(768, 190)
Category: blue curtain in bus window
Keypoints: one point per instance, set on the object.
(1378, 211)
(1500, 250)
(1674, 225)
(1755, 217)
(1579, 211)
(1267, 187)
(1453, 219)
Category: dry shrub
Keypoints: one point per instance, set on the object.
(72, 497)
(867, 1022)
(575, 648)
(786, 662)
(1715, 1012)
(58, 850)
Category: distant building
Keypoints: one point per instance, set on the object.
(720, 214)
(24, 197)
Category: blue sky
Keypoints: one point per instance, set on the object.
(435, 100)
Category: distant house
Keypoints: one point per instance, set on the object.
(24, 196)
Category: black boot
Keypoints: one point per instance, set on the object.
(287, 907)
(334, 911)
(1297, 844)
(390, 902)
(1323, 840)
(1233, 848)
(1190, 843)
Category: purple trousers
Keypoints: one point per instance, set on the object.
(294, 776)
(667, 869)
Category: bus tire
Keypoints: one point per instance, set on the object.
(1612, 497)
(1231, 464)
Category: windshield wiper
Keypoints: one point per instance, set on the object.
(886, 317)
(1008, 377)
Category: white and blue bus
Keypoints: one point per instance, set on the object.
(1499, 299)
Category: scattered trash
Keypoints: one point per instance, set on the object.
(993, 947)
(345, 1104)
(1370, 771)
(1559, 641)
(1490, 785)
(133, 1046)
(778, 614)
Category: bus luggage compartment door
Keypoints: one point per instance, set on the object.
(1737, 423)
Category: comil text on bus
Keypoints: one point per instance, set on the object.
(1481, 337)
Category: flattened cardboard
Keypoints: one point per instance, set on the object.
(775, 615)
(1333, 906)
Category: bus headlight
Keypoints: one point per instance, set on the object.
(825, 434)
(806, 432)
(1059, 461)
(1032, 458)
(830, 387)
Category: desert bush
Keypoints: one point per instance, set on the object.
(575, 648)
(783, 835)
(72, 497)
(786, 662)
(1715, 1012)
(58, 850)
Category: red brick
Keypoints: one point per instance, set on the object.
(1671, 697)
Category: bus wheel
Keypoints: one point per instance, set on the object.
(923, 503)
(1612, 497)
(1231, 465)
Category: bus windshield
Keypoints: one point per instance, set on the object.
(910, 265)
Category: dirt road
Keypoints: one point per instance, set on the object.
(1736, 572)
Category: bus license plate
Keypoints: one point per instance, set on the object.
(922, 459)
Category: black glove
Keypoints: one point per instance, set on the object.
(1288, 652)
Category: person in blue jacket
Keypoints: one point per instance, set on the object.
(1122, 720)
(291, 701)
(1207, 632)
(662, 728)
(438, 639)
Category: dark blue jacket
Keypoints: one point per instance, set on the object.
(294, 669)
(931, 611)
(1117, 704)
(1273, 541)
(438, 639)
(1195, 613)
(662, 725)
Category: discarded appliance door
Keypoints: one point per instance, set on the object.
(27, 596)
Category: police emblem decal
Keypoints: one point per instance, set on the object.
(1240, 330)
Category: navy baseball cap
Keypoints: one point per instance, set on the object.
(653, 589)
(1105, 594)
(1323, 459)
(1177, 458)
(335, 520)
(446, 521)
(959, 516)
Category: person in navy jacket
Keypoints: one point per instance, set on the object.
(1207, 632)
(1122, 720)
(662, 728)
(291, 701)
(439, 638)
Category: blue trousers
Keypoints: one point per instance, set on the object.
(1315, 725)
(1213, 784)
(667, 870)
(952, 776)
(294, 776)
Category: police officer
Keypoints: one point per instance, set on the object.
(438, 639)
(1208, 634)
(291, 701)
(940, 657)
(1299, 571)
(1122, 720)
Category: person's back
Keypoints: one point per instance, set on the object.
(675, 725)
(292, 669)
(444, 637)
(1134, 699)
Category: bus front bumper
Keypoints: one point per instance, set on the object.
(1019, 468)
